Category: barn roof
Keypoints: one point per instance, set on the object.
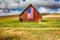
(26, 9)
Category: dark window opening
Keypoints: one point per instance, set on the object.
(21, 20)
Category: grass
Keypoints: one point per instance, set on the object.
(24, 34)
(15, 33)
(14, 22)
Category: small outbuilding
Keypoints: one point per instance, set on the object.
(30, 14)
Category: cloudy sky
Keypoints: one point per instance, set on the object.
(43, 6)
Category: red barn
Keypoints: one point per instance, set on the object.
(30, 14)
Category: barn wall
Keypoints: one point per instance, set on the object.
(37, 16)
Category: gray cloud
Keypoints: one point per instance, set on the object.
(20, 4)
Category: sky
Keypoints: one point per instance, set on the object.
(43, 6)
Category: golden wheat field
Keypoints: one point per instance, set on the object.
(12, 29)
(29, 34)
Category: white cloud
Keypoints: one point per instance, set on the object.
(48, 10)
(52, 12)
(2, 5)
(59, 10)
(44, 10)
(1, 12)
(10, 13)
(20, 3)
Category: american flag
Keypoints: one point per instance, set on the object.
(30, 14)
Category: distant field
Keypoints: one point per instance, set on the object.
(13, 21)
(23, 34)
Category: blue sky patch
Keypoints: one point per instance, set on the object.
(23, 0)
(57, 0)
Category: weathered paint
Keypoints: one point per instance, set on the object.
(23, 15)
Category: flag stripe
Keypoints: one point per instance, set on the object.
(30, 14)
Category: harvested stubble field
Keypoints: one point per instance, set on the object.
(27, 34)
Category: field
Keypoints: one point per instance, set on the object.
(29, 34)
(47, 22)
(12, 29)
